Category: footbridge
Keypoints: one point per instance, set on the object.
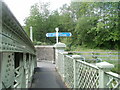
(23, 65)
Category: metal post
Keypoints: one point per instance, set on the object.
(0, 44)
(76, 57)
(57, 29)
(24, 70)
(74, 64)
(31, 36)
(64, 53)
(103, 67)
(59, 47)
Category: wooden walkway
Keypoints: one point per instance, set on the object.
(46, 76)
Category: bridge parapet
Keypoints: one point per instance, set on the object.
(76, 73)
(13, 36)
(17, 53)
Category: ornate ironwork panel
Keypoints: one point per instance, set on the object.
(69, 71)
(87, 76)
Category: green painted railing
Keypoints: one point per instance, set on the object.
(17, 53)
(76, 73)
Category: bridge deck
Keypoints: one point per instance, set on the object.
(46, 76)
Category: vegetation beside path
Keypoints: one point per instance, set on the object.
(111, 56)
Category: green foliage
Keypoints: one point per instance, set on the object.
(92, 24)
(96, 24)
(42, 22)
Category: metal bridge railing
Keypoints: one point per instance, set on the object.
(80, 74)
(77, 73)
(17, 53)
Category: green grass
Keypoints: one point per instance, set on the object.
(116, 63)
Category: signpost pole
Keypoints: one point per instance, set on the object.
(57, 29)
(31, 37)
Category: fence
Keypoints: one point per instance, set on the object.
(112, 57)
(97, 56)
(76, 73)
(17, 53)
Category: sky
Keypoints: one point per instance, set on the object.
(21, 8)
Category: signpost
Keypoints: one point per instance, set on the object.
(58, 34)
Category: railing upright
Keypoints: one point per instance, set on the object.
(59, 47)
(64, 53)
(76, 57)
(103, 67)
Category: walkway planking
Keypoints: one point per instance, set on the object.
(46, 76)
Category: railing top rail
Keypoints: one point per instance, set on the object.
(105, 59)
(7, 11)
(93, 66)
(47, 46)
(113, 74)
(14, 26)
(63, 52)
(69, 57)
(90, 52)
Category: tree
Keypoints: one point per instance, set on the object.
(92, 24)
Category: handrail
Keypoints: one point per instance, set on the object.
(13, 20)
(93, 66)
(113, 74)
(16, 32)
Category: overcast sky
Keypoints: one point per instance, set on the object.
(21, 8)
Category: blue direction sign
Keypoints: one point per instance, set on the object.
(60, 34)
(64, 34)
(50, 34)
